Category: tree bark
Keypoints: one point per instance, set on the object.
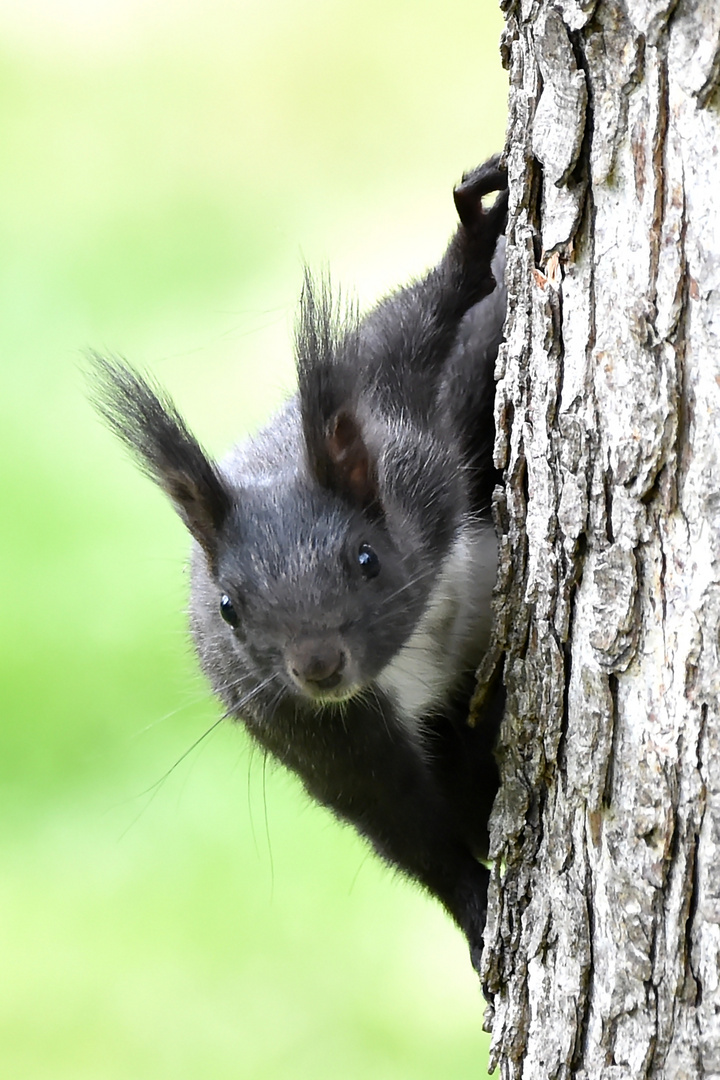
(603, 939)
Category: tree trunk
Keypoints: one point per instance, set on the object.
(603, 939)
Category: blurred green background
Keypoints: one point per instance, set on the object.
(165, 167)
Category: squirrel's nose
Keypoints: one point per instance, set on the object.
(317, 664)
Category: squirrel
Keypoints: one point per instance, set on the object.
(344, 557)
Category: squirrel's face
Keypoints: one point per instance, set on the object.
(312, 596)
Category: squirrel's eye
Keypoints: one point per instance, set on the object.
(228, 612)
(368, 560)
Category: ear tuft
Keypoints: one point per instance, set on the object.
(147, 421)
(330, 378)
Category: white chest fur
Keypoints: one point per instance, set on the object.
(453, 631)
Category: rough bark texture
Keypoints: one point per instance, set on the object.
(603, 942)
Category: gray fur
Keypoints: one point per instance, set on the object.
(345, 556)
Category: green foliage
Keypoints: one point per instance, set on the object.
(165, 170)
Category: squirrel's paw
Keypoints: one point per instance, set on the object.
(486, 178)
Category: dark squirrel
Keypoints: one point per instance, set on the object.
(345, 556)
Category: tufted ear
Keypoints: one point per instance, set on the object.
(349, 468)
(329, 374)
(144, 417)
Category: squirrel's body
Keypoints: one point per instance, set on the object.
(345, 557)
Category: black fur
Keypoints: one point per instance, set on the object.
(351, 546)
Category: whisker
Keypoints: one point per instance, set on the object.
(267, 825)
(234, 709)
(371, 690)
(251, 814)
(168, 716)
(356, 875)
(154, 788)
(408, 585)
(157, 784)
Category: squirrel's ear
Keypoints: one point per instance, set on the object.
(147, 421)
(349, 466)
(326, 352)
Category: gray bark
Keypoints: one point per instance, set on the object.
(603, 940)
